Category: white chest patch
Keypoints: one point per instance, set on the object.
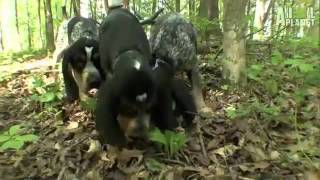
(142, 97)
(88, 50)
(137, 65)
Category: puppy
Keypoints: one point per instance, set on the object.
(77, 45)
(173, 39)
(134, 91)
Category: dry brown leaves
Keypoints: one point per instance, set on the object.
(218, 149)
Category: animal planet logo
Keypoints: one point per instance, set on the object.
(285, 17)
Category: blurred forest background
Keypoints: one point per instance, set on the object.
(260, 66)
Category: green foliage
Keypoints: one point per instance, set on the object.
(256, 108)
(22, 56)
(171, 141)
(203, 24)
(291, 73)
(49, 94)
(89, 104)
(154, 165)
(15, 138)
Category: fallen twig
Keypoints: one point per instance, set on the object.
(204, 152)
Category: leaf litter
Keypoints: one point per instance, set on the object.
(219, 148)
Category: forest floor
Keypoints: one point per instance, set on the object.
(219, 147)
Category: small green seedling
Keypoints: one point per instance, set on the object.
(89, 104)
(45, 93)
(171, 141)
(154, 165)
(15, 139)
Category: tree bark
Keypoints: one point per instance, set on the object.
(191, 8)
(210, 9)
(49, 26)
(154, 6)
(126, 4)
(234, 25)
(28, 26)
(93, 9)
(177, 5)
(1, 42)
(76, 7)
(259, 18)
(40, 22)
(17, 21)
(106, 5)
(85, 9)
(9, 29)
(16, 14)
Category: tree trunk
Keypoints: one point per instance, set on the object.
(49, 26)
(213, 15)
(40, 22)
(106, 5)
(191, 8)
(234, 25)
(313, 30)
(126, 4)
(260, 13)
(9, 29)
(16, 14)
(28, 26)
(154, 6)
(1, 42)
(85, 9)
(203, 8)
(93, 9)
(210, 9)
(17, 21)
(76, 7)
(177, 5)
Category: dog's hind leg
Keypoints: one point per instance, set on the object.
(194, 78)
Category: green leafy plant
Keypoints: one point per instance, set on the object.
(89, 104)
(15, 138)
(252, 108)
(154, 165)
(45, 93)
(172, 142)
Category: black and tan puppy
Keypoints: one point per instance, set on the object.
(173, 39)
(77, 46)
(132, 89)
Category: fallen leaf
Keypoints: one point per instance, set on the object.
(125, 155)
(95, 146)
(57, 146)
(274, 155)
(94, 175)
(256, 153)
(226, 151)
(261, 165)
(73, 125)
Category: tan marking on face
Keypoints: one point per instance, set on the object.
(129, 124)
